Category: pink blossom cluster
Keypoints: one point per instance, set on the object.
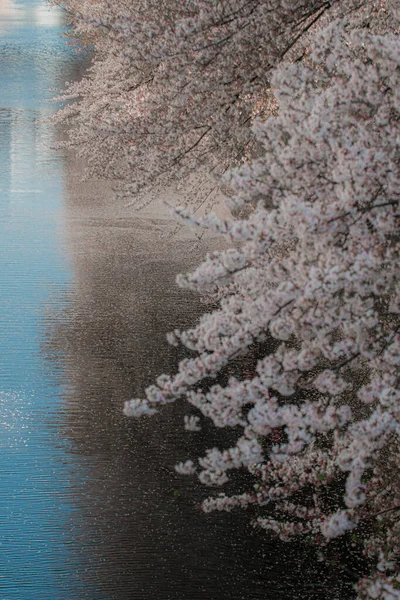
(174, 83)
(310, 291)
(315, 280)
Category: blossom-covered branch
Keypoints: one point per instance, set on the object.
(175, 84)
(312, 291)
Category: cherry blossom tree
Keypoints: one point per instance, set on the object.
(308, 297)
(175, 84)
(309, 305)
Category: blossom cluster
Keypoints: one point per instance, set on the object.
(312, 290)
(175, 83)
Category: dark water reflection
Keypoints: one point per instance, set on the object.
(146, 538)
(90, 505)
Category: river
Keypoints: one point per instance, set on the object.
(90, 505)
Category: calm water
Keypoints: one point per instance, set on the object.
(90, 506)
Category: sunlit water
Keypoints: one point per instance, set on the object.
(90, 506)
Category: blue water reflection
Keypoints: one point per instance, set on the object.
(35, 526)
